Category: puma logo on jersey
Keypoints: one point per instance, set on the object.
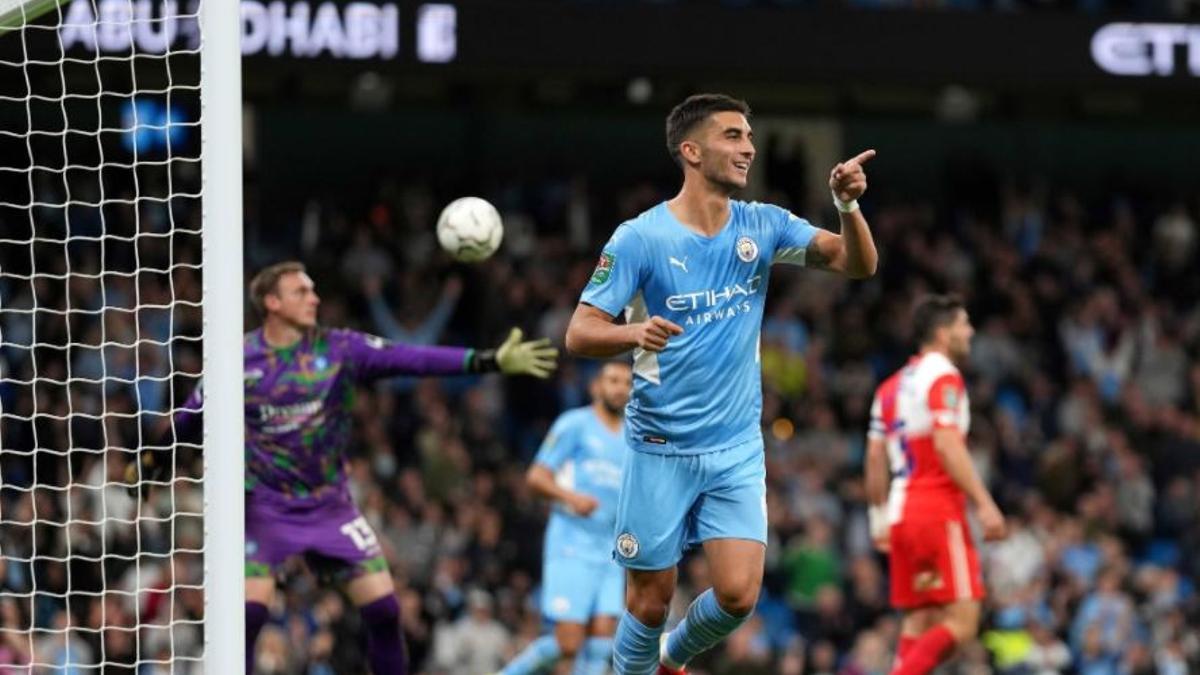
(681, 264)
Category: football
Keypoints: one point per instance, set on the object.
(470, 229)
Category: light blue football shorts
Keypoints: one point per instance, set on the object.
(575, 590)
(672, 502)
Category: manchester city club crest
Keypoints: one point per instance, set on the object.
(627, 545)
(747, 249)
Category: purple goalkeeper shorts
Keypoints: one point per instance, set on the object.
(331, 534)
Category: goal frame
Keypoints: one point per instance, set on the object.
(224, 413)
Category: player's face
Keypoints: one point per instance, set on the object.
(612, 387)
(295, 300)
(727, 150)
(960, 335)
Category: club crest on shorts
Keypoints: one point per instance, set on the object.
(627, 545)
(747, 249)
(560, 604)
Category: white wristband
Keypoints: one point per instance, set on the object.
(845, 207)
(877, 521)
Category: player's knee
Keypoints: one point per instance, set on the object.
(650, 609)
(739, 603)
(648, 597)
(963, 622)
(260, 590)
(569, 644)
(739, 597)
(963, 629)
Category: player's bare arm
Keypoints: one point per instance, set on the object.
(951, 448)
(876, 471)
(540, 479)
(876, 480)
(852, 252)
(592, 333)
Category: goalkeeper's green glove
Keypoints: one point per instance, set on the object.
(533, 357)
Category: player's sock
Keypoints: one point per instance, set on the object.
(635, 648)
(706, 624)
(541, 654)
(594, 657)
(926, 652)
(385, 644)
(256, 617)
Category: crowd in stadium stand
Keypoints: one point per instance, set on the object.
(1085, 394)
(73, 568)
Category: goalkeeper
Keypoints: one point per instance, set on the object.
(299, 381)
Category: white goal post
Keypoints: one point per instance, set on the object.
(224, 428)
(121, 290)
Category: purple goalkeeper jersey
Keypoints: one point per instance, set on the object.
(299, 399)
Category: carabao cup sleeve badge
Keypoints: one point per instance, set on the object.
(604, 268)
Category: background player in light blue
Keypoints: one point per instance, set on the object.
(691, 275)
(579, 466)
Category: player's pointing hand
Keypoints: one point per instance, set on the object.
(533, 357)
(653, 333)
(848, 180)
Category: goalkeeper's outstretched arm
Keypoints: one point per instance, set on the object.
(374, 357)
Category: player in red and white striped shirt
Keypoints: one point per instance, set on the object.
(919, 423)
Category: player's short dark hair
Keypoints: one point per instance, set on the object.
(694, 110)
(266, 282)
(933, 312)
(613, 361)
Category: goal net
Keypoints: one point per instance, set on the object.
(108, 151)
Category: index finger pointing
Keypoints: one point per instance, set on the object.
(863, 157)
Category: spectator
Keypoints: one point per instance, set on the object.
(476, 644)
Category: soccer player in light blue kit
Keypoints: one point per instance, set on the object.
(579, 466)
(691, 275)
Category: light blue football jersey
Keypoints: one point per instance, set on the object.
(586, 457)
(703, 393)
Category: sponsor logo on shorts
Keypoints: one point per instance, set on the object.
(747, 249)
(929, 580)
(251, 547)
(560, 604)
(627, 545)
